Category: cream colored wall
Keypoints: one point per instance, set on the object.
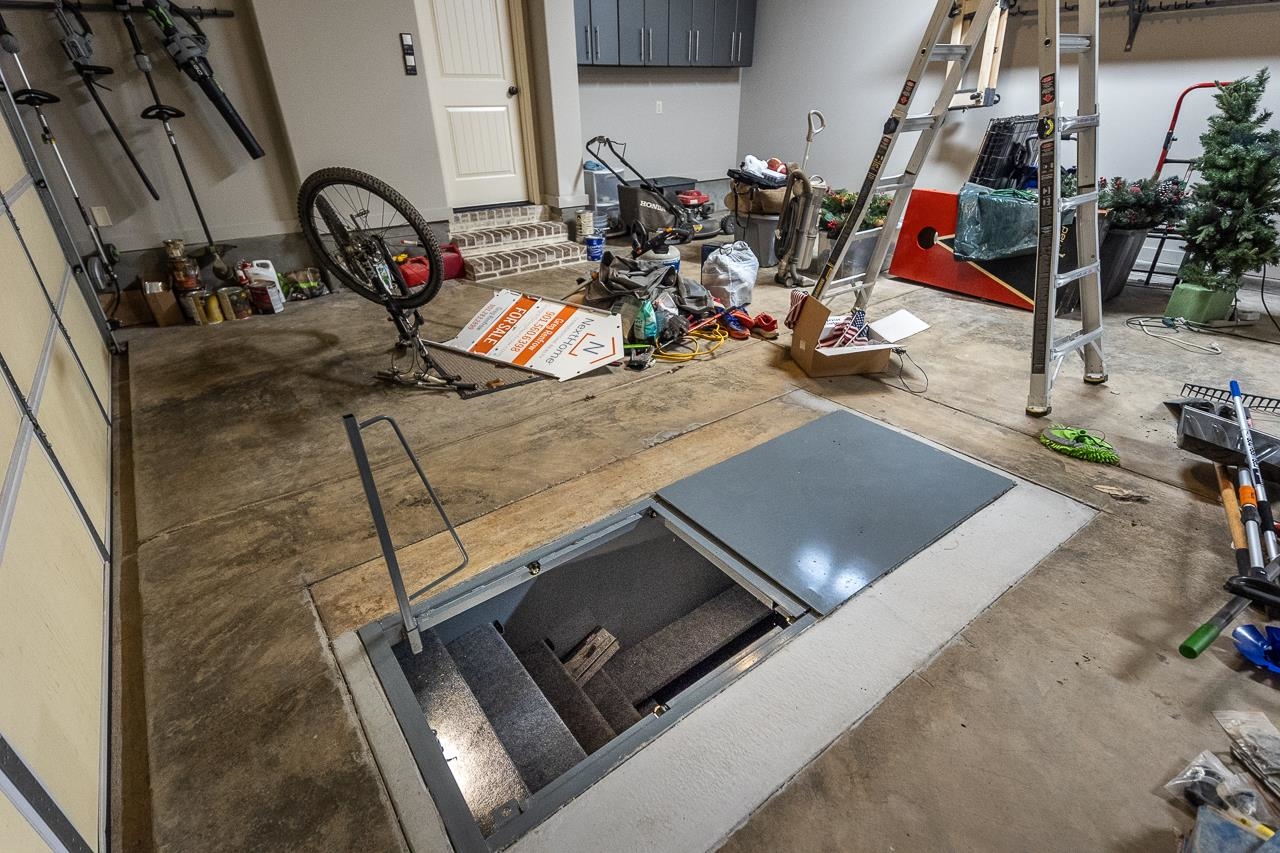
(241, 197)
(53, 575)
(344, 98)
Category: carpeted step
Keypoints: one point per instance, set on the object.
(578, 712)
(641, 670)
(479, 761)
(537, 740)
(613, 705)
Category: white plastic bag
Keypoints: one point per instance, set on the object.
(730, 274)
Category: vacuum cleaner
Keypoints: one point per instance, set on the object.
(797, 234)
(653, 220)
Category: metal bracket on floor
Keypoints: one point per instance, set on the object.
(403, 599)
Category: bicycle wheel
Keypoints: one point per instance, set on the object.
(355, 223)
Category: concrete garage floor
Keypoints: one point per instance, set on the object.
(1055, 716)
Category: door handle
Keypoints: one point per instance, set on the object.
(651, 44)
(697, 45)
(733, 47)
(597, 34)
(642, 44)
(512, 91)
(689, 51)
(586, 35)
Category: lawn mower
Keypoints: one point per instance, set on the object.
(650, 217)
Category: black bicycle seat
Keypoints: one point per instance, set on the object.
(93, 70)
(160, 112)
(35, 98)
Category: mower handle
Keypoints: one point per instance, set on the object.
(817, 124)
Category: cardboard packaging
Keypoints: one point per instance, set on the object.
(816, 321)
(163, 304)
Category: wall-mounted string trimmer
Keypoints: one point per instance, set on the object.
(77, 41)
(101, 265)
(188, 48)
(163, 113)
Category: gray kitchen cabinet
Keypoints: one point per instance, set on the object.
(680, 33)
(642, 32)
(597, 31)
(691, 26)
(735, 28)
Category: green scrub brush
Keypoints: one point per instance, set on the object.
(1079, 443)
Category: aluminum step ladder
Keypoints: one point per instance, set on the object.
(948, 17)
(1047, 349)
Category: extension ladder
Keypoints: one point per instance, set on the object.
(948, 20)
(1048, 350)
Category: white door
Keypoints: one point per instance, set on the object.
(468, 58)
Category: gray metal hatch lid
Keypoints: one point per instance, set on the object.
(827, 508)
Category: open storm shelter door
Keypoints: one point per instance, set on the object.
(539, 676)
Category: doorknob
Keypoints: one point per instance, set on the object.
(512, 91)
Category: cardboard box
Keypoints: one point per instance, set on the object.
(816, 321)
(132, 309)
(164, 307)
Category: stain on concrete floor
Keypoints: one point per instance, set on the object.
(1053, 720)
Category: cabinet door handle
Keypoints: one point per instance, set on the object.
(586, 35)
(697, 44)
(689, 51)
(733, 47)
(642, 44)
(651, 44)
(597, 35)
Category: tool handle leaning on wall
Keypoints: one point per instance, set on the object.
(188, 50)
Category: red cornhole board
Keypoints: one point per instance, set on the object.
(924, 254)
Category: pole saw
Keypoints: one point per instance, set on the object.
(101, 269)
(163, 113)
(77, 41)
(189, 50)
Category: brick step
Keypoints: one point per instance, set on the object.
(512, 261)
(484, 241)
(493, 217)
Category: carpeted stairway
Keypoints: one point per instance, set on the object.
(509, 714)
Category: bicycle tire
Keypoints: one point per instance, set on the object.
(307, 198)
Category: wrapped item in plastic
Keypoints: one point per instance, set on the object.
(730, 274)
(1256, 742)
(1207, 781)
(994, 224)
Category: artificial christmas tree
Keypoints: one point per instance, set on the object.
(1231, 226)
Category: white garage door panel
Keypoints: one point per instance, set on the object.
(77, 431)
(43, 244)
(51, 628)
(24, 313)
(87, 340)
(11, 167)
(16, 835)
(10, 419)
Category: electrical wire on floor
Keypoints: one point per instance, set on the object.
(690, 347)
(1173, 326)
(900, 381)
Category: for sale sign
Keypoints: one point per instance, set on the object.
(541, 335)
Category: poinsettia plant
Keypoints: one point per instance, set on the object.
(1142, 203)
(838, 204)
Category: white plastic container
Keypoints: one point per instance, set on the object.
(264, 287)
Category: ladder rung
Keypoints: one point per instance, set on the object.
(948, 52)
(1074, 341)
(1079, 201)
(1077, 273)
(1073, 123)
(895, 182)
(1073, 43)
(868, 234)
(927, 121)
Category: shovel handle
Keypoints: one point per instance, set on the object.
(1200, 639)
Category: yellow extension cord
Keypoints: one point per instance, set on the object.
(715, 334)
